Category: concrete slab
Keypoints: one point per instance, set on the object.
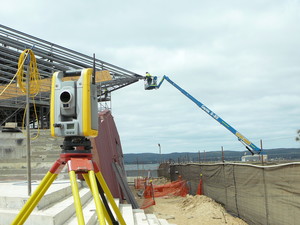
(117, 201)
(57, 206)
(164, 222)
(152, 219)
(126, 211)
(13, 195)
(140, 217)
(89, 213)
(58, 214)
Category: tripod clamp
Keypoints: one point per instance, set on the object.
(78, 144)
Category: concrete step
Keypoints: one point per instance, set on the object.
(57, 206)
(127, 213)
(11, 172)
(48, 153)
(15, 174)
(117, 201)
(140, 217)
(22, 164)
(89, 213)
(35, 158)
(152, 219)
(58, 214)
(42, 148)
(13, 195)
(34, 177)
(164, 222)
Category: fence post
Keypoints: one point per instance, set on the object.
(235, 191)
(266, 196)
(262, 156)
(223, 158)
(225, 186)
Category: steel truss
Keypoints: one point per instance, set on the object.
(50, 58)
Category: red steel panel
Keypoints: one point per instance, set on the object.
(106, 150)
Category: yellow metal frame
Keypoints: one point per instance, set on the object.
(76, 197)
(86, 103)
(52, 104)
(34, 199)
(110, 198)
(90, 178)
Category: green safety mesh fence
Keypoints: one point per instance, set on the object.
(257, 194)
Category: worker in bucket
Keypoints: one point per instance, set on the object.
(148, 78)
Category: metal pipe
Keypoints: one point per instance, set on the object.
(28, 131)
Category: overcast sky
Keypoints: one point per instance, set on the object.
(239, 58)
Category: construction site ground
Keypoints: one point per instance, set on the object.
(189, 210)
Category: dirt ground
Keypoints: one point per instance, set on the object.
(191, 210)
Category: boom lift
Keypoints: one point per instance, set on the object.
(151, 83)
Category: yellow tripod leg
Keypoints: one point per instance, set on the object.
(77, 202)
(87, 180)
(34, 199)
(110, 198)
(95, 192)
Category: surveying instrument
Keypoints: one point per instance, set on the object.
(73, 115)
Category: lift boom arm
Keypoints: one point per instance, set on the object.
(248, 144)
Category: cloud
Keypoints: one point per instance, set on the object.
(239, 58)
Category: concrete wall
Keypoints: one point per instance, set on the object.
(164, 170)
(12, 145)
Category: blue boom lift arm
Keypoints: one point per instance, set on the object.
(152, 84)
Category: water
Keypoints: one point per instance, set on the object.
(141, 166)
(133, 170)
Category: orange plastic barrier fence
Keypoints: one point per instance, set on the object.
(147, 203)
(200, 187)
(175, 188)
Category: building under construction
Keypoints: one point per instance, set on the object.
(103, 152)
(50, 57)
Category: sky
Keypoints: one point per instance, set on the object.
(240, 58)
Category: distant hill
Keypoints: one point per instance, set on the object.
(273, 154)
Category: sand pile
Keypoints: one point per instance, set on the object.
(192, 210)
(160, 181)
(189, 210)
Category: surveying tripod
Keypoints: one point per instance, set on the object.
(76, 154)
